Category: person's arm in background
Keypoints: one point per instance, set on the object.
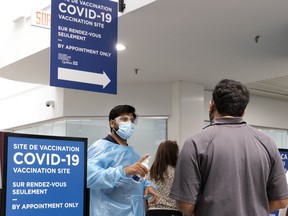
(150, 190)
(277, 204)
(186, 208)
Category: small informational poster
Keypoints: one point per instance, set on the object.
(276, 213)
(284, 157)
(45, 176)
(83, 45)
(1, 164)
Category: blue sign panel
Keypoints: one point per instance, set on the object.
(83, 45)
(284, 156)
(276, 213)
(45, 176)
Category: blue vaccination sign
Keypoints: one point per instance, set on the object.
(45, 176)
(284, 157)
(276, 213)
(83, 51)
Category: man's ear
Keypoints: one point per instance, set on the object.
(211, 106)
(113, 124)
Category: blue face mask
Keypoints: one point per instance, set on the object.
(125, 130)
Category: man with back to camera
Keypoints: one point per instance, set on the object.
(229, 168)
(111, 163)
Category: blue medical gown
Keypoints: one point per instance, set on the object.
(111, 191)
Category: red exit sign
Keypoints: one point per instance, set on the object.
(41, 19)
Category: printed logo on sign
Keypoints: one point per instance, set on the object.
(66, 59)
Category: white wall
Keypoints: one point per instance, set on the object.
(267, 112)
(181, 101)
(19, 39)
(150, 99)
(29, 107)
(186, 113)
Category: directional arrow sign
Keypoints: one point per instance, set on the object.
(83, 76)
(83, 43)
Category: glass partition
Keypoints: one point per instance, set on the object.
(149, 132)
(279, 136)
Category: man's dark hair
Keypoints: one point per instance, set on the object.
(121, 109)
(230, 98)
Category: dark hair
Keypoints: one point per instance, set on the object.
(167, 154)
(230, 98)
(121, 109)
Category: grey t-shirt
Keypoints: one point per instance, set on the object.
(229, 169)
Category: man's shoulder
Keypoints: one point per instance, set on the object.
(100, 145)
(206, 132)
(201, 137)
(99, 142)
(259, 134)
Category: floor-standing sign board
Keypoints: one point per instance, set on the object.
(43, 175)
(284, 157)
(83, 45)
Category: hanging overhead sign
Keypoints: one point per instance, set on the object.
(83, 45)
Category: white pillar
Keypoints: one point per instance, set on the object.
(187, 111)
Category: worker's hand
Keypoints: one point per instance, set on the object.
(137, 168)
(154, 199)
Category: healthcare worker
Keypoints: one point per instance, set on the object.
(111, 164)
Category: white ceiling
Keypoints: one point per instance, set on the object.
(194, 40)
